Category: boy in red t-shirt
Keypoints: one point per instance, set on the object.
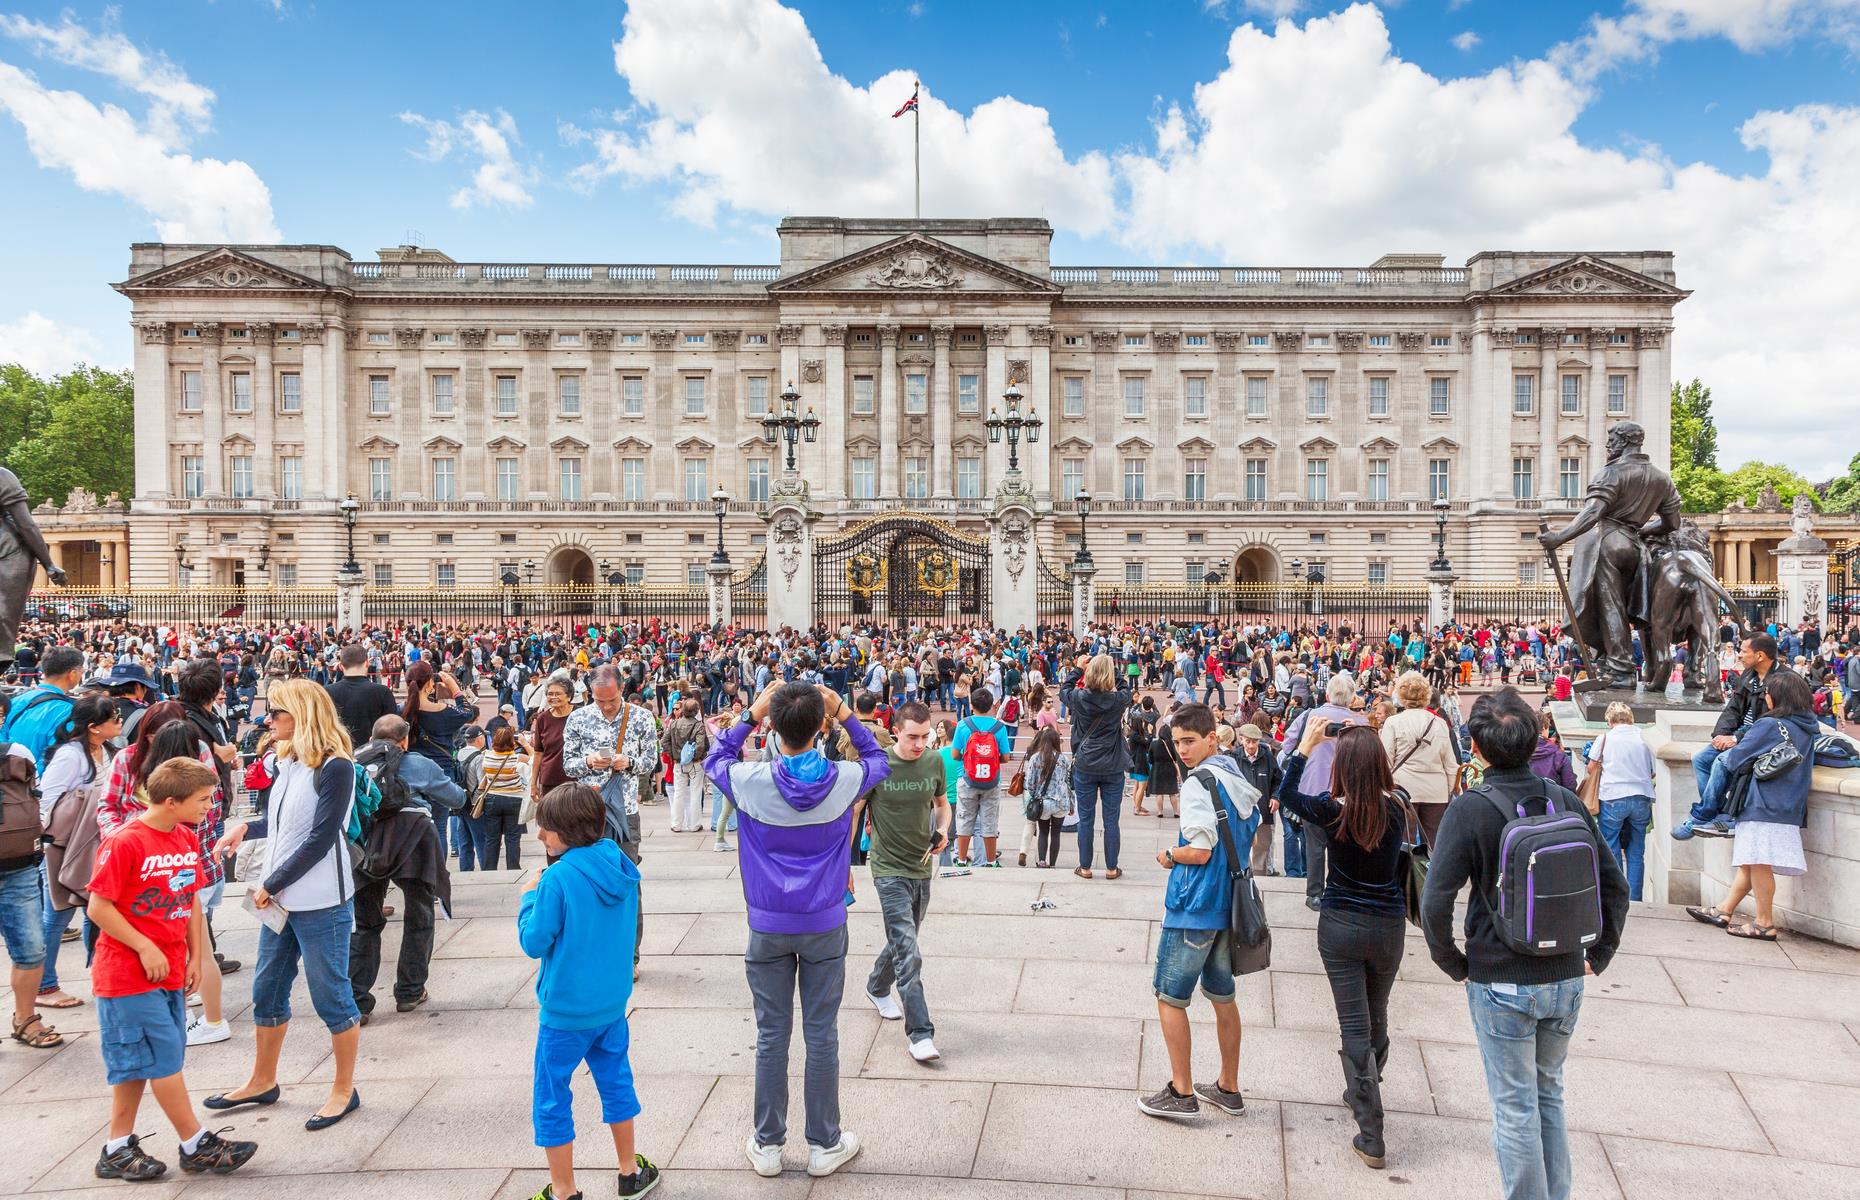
(149, 953)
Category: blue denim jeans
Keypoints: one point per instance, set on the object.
(1185, 957)
(22, 916)
(1091, 790)
(1294, 837)
(56, 922)
(1523, 1039)
(905, 903)
(320, 938)
(1711, 780)
(1624, 828)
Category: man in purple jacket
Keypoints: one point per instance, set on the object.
(795, 828)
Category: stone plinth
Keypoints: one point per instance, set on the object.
(791, 554)
(1084, 595)
(349, 600)
(1014, 559)
(1440, 598)
(717, 573)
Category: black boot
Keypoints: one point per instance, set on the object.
(1382, 1059)
(1363, 1094)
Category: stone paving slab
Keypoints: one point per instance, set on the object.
(1291, 1064)
(1015, 1047)
(1802, 1120)
(1816, 995)
(454, 1184)
(1651, 1170)
(1051, 985)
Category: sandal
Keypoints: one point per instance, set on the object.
(1752, 930)
(57, 998)
(1709, 915)
(45, 1039)
(1114, 873)
(1082, 872)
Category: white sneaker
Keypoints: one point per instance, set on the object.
(765, 1159)
(825, 1162)
(721, 847)
(924, 1051)
(202, 1032)
(194, 1000)
(887, 1006)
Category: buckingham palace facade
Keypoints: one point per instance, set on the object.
(576, 418)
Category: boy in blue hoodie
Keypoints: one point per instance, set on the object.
(579, 917)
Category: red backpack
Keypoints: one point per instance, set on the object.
(981, 757)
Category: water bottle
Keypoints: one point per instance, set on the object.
(1676, 686)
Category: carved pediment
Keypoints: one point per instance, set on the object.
(1134, 442)
(1586, 275)
(915, 262)
(969, 442)
(506, 443)
(1259, 445)
(862, 444)
(568, 442)
(1380, 445)
(441, 444)
(631, 443)
(1072, 443)
(237, 441)
(696, 443)
(222, 270)
(1572, 363)
(1441, 443)
(377, 442)
(1195, 444)
(1574, 442)
(1320, 444)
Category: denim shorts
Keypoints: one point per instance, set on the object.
(143, 1036)
(22, 916)
(1184, 955)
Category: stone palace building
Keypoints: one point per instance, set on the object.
(572, 419)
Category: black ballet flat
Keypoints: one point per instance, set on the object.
(355, 1101)
(263, 1099)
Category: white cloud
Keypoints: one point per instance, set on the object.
(499, 178)
(1343, 151)
(1751, 25)
(44, 347)
(106, 149)
(1466, 42)
(778, 132)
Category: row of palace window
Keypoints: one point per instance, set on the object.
(1318, 477)
(1318, 395)
(446, 574)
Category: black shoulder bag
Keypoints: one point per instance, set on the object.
(1249, 936)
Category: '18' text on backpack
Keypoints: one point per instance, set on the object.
(981, 757)
(1549, 879)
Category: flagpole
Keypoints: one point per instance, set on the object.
(917, 141)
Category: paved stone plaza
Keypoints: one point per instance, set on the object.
(1704, 1067)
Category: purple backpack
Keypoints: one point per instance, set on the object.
(1549, 878)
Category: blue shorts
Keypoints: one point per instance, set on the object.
(144, 1036)
(558, 1053)
(22, 916)
(1185, 955)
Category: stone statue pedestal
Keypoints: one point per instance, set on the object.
(349, 601)
(1643, 702)
(717, 574)
(1802, 570)
(1440, 597)
(1084, 598)
(1013, 564)
(790, 520)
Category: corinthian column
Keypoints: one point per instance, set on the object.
(888, 418)
(942, 410)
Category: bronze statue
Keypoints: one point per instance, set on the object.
(22, 551)
(1684, 597)
(1629, 501)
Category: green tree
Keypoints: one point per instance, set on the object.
(72, 430)
(1842, 495)
(1694, 464)
(1748, 481)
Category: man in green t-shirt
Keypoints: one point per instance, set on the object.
(910, 817)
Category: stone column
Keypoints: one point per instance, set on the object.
(1104, 411)
(153, 405)
(602, 411)
(889, 423)
(942, 417)
(349, 611)
(212, 409)
(1165, 408)
(327, 448)
(790, 542)
(264, 410)
(1802, 570)
(536, 410)
(1549, 409)
(833, 412)
(1229, 417)
(1652, 383)
(1290, 422)
(667, 474)
(1483, 411)
(718, 576)
(1440, 598)
(1595, 414)
(1014, 561)
(995, 382)
(1083, 595)
(1040, 400)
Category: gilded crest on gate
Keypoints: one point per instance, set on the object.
(936, 572)
(865, 573)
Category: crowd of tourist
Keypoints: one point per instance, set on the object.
(319, 768)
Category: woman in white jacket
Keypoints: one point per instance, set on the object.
(307, 876)
(1420, 747)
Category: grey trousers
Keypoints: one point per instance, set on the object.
(905, 902)
(774, 962)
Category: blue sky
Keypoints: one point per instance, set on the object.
(1147, 132)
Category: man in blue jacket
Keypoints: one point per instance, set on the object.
(36, 717)
(795, 829)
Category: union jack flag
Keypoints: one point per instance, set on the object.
(909, 105)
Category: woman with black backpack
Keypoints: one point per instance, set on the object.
(1360, 936)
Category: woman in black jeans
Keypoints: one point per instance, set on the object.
(1362, 909)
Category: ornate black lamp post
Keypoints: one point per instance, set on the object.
(789, 424)
(1014, 423)
(350, 508)
(1083, 501)
(529, 571)
(1440, 564)
(719, 505)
